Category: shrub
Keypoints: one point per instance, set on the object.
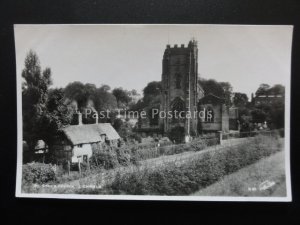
(135, 136)
(212, 141)
(281, 132)
(123, 156)
(176, 134)
(199, 145)
(107, 159)
(38, 173)
(98, 147)
(111, 157)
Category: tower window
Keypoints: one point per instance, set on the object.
(178, 81)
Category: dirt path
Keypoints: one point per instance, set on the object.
(100, 179)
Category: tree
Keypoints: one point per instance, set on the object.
(277, 115)
(277, 89)
(134, 97)
(259, 116)
(212, 87)
(263, 89)
(152, 100)
(227, 88)
(89, 97)
(123, 128)
(240, 99)
(121, 96)
(75, 91)
(152, 91)
(133, 92)
(140, 105)
(220, 89)
(104, 100)
(57, 115)
(80, 92)
(105, 88)
(271, 111)
(34, 97)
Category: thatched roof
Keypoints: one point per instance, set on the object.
(90, 133)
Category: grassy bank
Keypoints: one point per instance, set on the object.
(264, 178)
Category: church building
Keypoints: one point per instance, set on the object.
(183, 96)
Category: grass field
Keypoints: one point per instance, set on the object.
(264, 178)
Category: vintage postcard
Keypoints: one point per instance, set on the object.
(154, 112)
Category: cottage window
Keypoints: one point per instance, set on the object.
(103, 136)
(85, 158)
(79, 146)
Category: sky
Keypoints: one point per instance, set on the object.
(130, 56)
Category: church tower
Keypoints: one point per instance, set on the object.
(180, 89)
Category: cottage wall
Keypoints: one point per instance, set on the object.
(62, 150)
(79, 151)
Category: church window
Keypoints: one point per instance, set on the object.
(153, 117)
(209, 115)
(178, 105)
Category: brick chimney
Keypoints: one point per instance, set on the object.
(79, 118)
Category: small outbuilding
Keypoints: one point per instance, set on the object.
(41, 147)
(215, 114)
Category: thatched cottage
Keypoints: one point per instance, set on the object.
(77, 142)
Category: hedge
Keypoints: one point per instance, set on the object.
(193, 174)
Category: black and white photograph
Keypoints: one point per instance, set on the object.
(192, 112)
